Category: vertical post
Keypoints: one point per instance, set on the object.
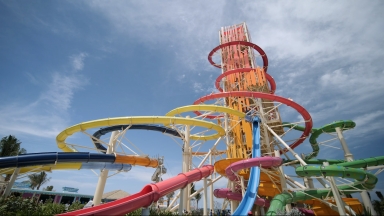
(349, 157)
(211, 187)
(234, 204)
(11, 181)
(205, 212)
(181, 202)
(347, 154)
(186, 166)
(367, 202)
(104, 173)
(336, 194)
(283, 181)
(242, 186)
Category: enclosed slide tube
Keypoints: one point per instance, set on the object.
(149, 194)
(265, 162)
(46, 158)
(316, 132)
(254, 177)
(106, 130)
(365, 180)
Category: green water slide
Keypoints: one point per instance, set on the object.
(316, 132)
(365, 180)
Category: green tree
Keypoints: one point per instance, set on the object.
(48, 188)
(38, 179)
(197, 197)
(380, 195)
(10, 146)
(169, 196)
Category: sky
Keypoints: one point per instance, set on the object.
(67, 62)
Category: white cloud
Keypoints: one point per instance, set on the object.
(78, 61)
(60, 91)
(47, 114)
(198, 87)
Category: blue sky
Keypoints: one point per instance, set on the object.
(66, 62)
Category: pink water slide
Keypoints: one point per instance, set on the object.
(231, 170)
(149, 194)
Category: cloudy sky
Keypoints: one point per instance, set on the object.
(66, 62)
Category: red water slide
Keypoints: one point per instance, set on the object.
(149, 194)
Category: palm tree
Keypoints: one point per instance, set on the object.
(377, 206)
(197, 197)
(48, 188)
(169, 196)
(10, 146)
(38, 179)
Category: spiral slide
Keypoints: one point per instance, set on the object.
(365, 180)
(149, 194)
(316, 132)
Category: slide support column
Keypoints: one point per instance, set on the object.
(349, 157)
(347, 154)
(283, 181)
(186, 165)
(104, 173)
(205, 199)
(336, 194)
(11, 182)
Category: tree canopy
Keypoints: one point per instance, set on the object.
(38, 179)
(10, 146)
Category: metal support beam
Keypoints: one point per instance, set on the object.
(336, 194)
(104, 173)
(11, 181)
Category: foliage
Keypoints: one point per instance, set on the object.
(75, 206)
(18, 206)
(293, 212)
(197, 197)
(48, 188)
(152, 211)
(51, 208)
(10, 146)
(29, 206)
(169, 196)
(378, 206)
(380, 195)
(38, 179)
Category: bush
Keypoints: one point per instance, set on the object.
(18, 206)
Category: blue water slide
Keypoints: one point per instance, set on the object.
(254, 177)
(106, 130)
(45, 158)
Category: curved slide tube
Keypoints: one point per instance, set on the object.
(60, 139)
(73, 166)
(71, 157)
(149, 194)
(227, 193)
(106, 130)
(351, 169)
(316, 132)
(303, 112)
